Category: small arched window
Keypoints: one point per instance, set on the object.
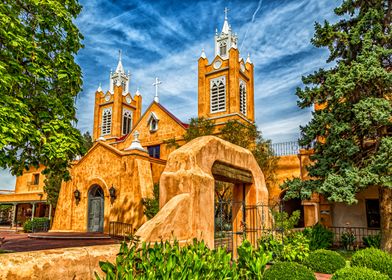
(218, 94)
(106, 127)
(243, 97)
(127, 121)
(222, 49)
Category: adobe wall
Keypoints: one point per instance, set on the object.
(24, 183)
(129, 173)
(187, 189)
(78, 263)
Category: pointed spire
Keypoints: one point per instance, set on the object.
(203, 54)
(99, 88)
(226, 28)
(248, 59)
(137, 93)
(120, 67)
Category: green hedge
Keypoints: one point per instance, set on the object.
(375, 259)
(288, 270)
(325, 261)
(35, 223)
(319, 237)
(358, 273)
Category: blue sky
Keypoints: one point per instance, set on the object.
(165, 39)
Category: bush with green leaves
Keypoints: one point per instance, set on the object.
(168, 260)
(374, 259)
(288, 270)
(319, 237)
(292, 246)
(348, 239)
(42, 224)
(358, 273)
(251, 263)
(373, 241)
(324, 261)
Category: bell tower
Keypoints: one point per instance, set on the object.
(226, 85)
(116, 111)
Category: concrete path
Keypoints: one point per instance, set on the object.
(20, 242)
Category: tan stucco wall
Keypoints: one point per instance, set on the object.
(353, 215)
(70, 263)
(129, 173)
(24, 183)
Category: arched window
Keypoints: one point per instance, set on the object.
(243, 97)
(222, 49)
(127, 121)
(106, 121)
(123, 85)
(218, 94)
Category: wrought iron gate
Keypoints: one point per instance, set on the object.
(235, 221)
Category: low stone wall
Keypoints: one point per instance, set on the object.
(67, 263)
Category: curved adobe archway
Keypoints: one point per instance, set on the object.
(187, 190)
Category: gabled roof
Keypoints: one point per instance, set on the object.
(183, 125)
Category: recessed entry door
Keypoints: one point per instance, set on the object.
(95, 209)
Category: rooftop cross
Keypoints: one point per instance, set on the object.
(156, 84)
(226, 12)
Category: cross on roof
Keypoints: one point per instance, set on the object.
(226, 12)
(156, 84)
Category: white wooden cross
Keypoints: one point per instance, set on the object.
(226, 11)
(156, 84)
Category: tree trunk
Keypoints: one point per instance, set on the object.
(385, 196)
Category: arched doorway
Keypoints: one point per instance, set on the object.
(95, 209)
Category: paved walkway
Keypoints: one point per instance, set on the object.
(20, 242)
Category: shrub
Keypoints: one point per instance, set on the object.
(372, 241)
(319, 237)
(288, 270)
(294, 247)
(251, 263)
(347, 239)
(358, 273)
(166, 260)
(325, 261)
(373, 258)
(37, 224)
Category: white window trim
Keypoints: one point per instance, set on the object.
(153, 117)
(216, 81)
(244, 98)
(108, 130)
(126, 111)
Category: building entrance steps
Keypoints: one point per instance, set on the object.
(69, 235)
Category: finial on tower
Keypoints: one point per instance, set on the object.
(248, 59)
(203, 54)
(99, 88)
(137, 93)
(135, 145)
(156, 84)
(226, 27)
(120, 67)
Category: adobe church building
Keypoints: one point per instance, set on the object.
(130, 151)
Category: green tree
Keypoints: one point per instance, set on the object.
(151, 204)
(87, 142)
(39, 80)
(249, 137)
(198, 127)
(353, 124)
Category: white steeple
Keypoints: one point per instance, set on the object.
(120, 68)
(225, 40)
(137, 93)
(99, 88)
(119, 77)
